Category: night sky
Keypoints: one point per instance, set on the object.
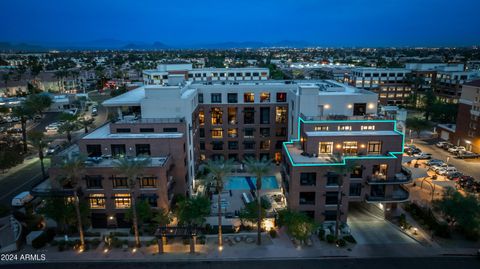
(190, 22)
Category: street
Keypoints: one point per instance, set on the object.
(443, 262)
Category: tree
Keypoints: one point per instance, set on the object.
(37, 140)
(63, 212)
(73, 168)
(299, 225)
(429, 100)
(162, 217)
(259, 169)
(341, 171)
(250, 212)
(132, 169)
(86, 123)
(461, 211)
(193, 211)
(69, 125)
(218, 170)
(418, 125)
(144, 212)
(38, 103)
(24, 112)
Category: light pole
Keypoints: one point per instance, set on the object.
(448, 159)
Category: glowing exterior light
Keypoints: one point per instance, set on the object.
(327, 106)
(220, 248)
(370, 106)
(349, 106)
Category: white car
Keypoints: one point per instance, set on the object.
(446, 170)
(440, 144)
(22, 199)
(422, 156)
(455, 149)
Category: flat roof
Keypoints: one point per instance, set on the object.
(351, 133)
(104, 133)
(132, 97)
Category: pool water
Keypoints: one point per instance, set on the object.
(241, 183)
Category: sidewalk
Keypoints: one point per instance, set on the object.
(28, 161)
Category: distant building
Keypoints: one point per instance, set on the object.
(467, 131)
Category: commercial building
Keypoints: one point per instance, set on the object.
(467, 130)
(390, 84)
(182, 123)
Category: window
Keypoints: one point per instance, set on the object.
(280, 131)
(249, 145)
(264, 97)
(119, 182)
(97, 201)
(374, 147)
(307, 198)
(217, 133)
(151, 199)
(357, 172)
(249, 115)
(217, 115)
(332, 179)
(325, 148)
(201, 132)
(217, 145)
(216, 97)
(94, 182)
(170, 130)
(118, 150)
(280, 114)
(265, 145)
(232, 98)
(123, 130)
(265, 132)
(355, 189)
(248, 132)
(202, 145)
(232, 144)
(330, 215)
(281, 96)
(201, 117)
(344, 128)
(142, 149)
(148, 182)
(232, 132)
(122, 200)
(331, 197)
(200, 98)
(94, 150)
(321, 128)
(350, 147)
(308, 179)
(147, 130)
(379, 171)
(232, 115)
(233, 156)
(264, 115)
(367, 128)
(248, 97)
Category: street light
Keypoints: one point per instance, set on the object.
(448, 159)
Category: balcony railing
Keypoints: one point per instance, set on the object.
(405, 176)
(398, 195)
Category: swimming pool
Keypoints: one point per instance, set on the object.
(241, 183)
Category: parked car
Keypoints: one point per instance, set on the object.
(434, 162)
(452, 175)
(21, 199)
(448, 169)
(447, 145)
(455, 149)
(53, 149)
(440, 144)
(422, 156)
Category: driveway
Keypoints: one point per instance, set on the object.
(369, 227)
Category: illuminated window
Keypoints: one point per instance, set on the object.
(265, 145)
(374, 147)
(217, 133)
(264, 97)
(201, 117)
(97, 201)
(122, 200)
(321, 128)
(367, 127)
(325, 147)
(344, 128)
(350, 147)
(217, 115)
(232, 132)
(249, 97)
(232, 115)
(280, 114)
(281, 96)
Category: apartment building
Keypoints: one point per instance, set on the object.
(175, 73)
(467, 130)
(348, 161)
(448, 83)
(182, 124)
(390, 84)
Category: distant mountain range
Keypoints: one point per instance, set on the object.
(113, 44)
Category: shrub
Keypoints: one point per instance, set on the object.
(40, 241)
(201, 240)
(330, 238)
(273, 233)
(341, 243)
(321, 234)
(350, 239)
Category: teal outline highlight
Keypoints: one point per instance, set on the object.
(300, 119)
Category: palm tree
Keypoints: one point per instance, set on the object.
(73, 168)
(132, 169)
(86, 123)
(218, 170)
(259, 168)
(70, 124)
(37, 140)
(24, 112)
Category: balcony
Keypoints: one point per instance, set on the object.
(131, 119)
(399, 195)
(405, 176)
